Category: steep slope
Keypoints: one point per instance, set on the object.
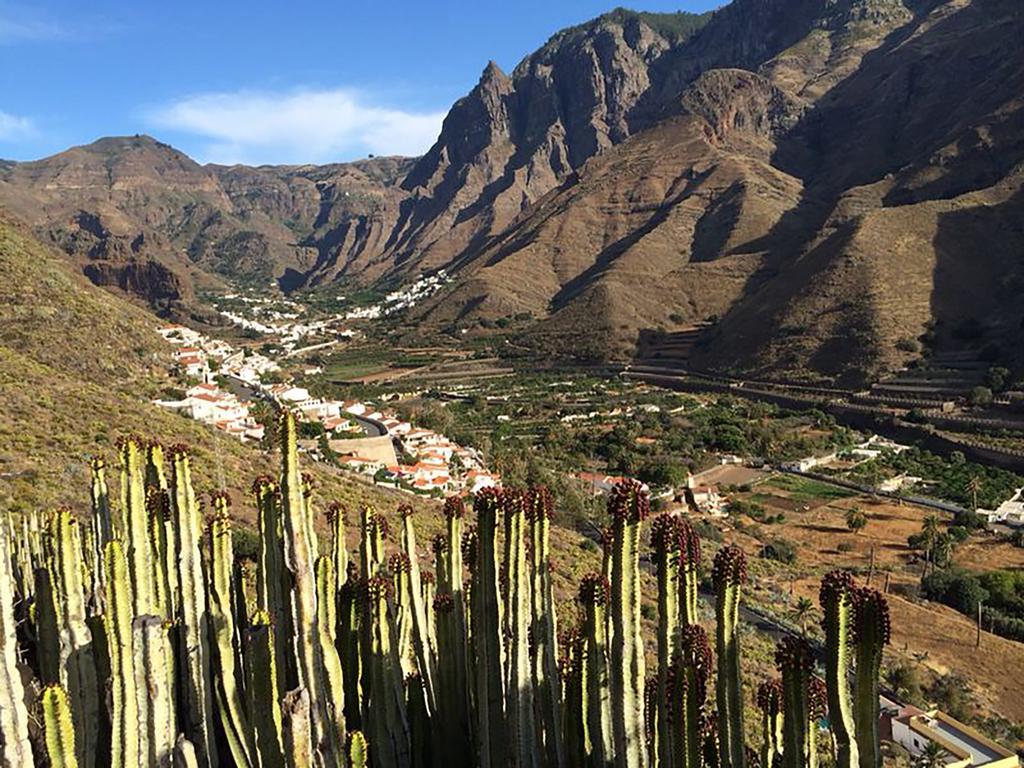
(138, 214)
(78, 366)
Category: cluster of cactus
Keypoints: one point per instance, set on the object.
(149, 644)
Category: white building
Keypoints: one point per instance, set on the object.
(1010, 512)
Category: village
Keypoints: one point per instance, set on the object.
(360, 437)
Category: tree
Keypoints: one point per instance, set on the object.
(980, 396)
(932, 756)
(974, 485)
(801, 611)
(856, 519)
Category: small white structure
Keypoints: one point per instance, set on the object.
(1010, 512)
(964, 746)
(808, 463)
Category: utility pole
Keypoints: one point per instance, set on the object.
(871, 566)
(888, 574)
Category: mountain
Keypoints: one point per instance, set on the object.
(819, 184)
(79, 366)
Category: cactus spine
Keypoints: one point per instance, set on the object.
(59, 728)
(15, 749)
(872, 632)
(486, 633)
(197, 698)
(728, 574)
(234, 717)
(598, 737)
(628, 505)
(836, 597)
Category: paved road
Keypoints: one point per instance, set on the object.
(370, 427)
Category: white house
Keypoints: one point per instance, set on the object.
(1010, 512)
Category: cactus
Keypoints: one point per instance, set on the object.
(803, 702)
(78, 663)
(197, 698)
(350, 640)
(689, 572)
(339, 547)
(426, 665)
(770, 702)
(102, 530)
(486, 633)
(729, 574)
(871, 632)
(327, 621)
(47, 628)
(357, 752)
(836, 597)
(598, 737)
(628, 505)
(158, 510)
(135, 526)
(124, 714)
(398, 568)
(272, 581)
(574, 701)
(262, 689)
(300, 557)
(454, 743)
(154, 684)
(185, 754)
(450, 575)
(385, 705)
(234, 716)
(15, 749)
(298, 737)
(520, 701)
(688, 693)
(374, 531)
(544, 626)
(59, 729)
(666, 539)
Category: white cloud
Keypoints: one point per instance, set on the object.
(14, 127)
(299, 126)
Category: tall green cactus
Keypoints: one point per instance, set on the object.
(836, 597)
(327, 621)
(58, 728)
(300, 557)
(350, 642)
(689, 572)
(15, 749)
(374, 531)
(455, 746)
(102, 530)
(135, 525)
(299, 742)
(574, 709)
(803, 702)
(262, 689)
(688, 695)
(450, 576)
(154, 683)
(273, 584)
(339, 546)
(426, 664)
(770, 702)
(871, 631)
(118, 623)
(628, 505)
(226, 656)
(544, 625)
(197, 712)
(520, 702)
(729, 572)
(78, 663)
(385, 711)
(398, 568)
(598, 736)
(666, 541)
(486, 633)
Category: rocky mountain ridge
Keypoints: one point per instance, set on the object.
(798, 175)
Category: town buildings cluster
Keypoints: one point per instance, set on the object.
(402, 299)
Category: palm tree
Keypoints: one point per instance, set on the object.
(856, 519)
(974, 485)
(932, 756)
(801, 611)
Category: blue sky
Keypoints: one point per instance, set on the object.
(259, 82)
